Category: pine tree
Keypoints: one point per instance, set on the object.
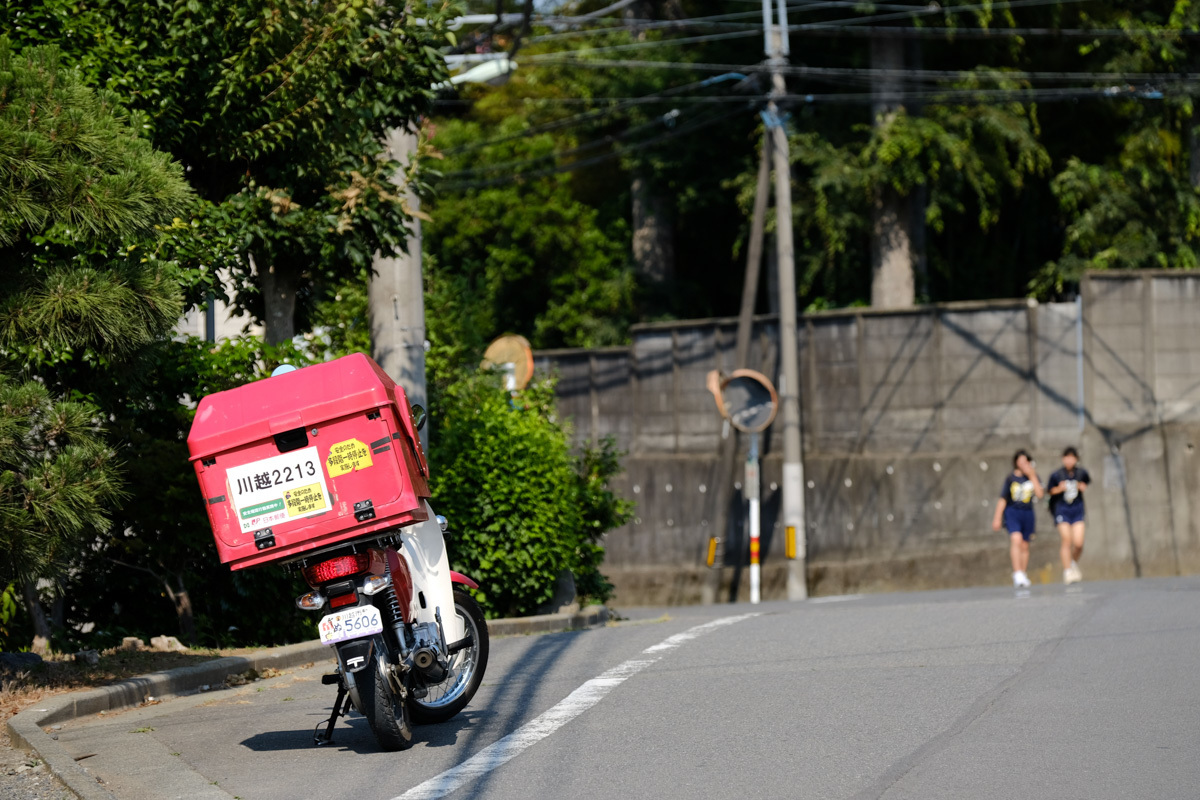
(80, 197)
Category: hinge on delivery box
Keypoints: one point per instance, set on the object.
(264, 539)
(208, 462)
(376, 414)
(364, 510)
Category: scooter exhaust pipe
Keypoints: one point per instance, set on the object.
(424, 658)
(426, 661)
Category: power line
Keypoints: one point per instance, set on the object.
(909, 32)
(930, 96)
(867, 72)
(933, 9)
(707, 37)
(582, 118)
(720, 21)
(838, 23)
(669, 119)
(696, 125)
(946, 97)
(988, 96)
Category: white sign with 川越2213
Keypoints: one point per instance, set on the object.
(353, 623)
(278, 489)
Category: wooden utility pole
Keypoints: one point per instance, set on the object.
(396, 298)
(789, 345)
(774, 153)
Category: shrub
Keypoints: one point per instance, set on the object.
(520, 511)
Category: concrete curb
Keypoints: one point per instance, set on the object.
(27, 728)
(590, 617)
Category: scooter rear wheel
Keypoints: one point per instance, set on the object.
(451, 695)
(388, 718)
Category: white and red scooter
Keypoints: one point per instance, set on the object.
(411, 645)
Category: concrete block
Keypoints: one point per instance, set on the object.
(168, 644)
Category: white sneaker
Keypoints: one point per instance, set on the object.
(1020, 580)
(1072, 574)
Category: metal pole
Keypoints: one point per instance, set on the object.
(727, 455)
(789, 380)
(753, 494)
(396, 298)
(1079, 360)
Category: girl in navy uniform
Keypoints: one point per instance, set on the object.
(1014, 511)
(1067, 486)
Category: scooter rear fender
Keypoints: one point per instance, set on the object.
(458, 577)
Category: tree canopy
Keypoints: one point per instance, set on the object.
(82, 196)
(1031, 143)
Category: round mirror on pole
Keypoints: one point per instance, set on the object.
(748, 400)
(512, 355)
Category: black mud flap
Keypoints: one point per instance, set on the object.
(356, 654)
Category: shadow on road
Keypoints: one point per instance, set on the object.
(516, 687)
(352, 734)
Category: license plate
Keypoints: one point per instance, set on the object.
(353, 623)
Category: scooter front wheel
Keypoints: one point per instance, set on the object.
(387, 717)
(451, 695)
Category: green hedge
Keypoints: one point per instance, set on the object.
(521, 507)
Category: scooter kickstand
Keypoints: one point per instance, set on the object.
(338, 711)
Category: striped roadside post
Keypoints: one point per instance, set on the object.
(753, 493)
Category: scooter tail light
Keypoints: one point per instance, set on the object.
(336, 568)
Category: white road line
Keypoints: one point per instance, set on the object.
(837, 598)
(568, 709)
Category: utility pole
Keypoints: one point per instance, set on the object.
(789, 379)
(396, 298)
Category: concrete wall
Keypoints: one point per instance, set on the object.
(910, 419)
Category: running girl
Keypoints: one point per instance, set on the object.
(1014, 511)
(1067, 486)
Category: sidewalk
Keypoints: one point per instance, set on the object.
(32, 729)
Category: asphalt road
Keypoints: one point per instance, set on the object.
(1091, 692)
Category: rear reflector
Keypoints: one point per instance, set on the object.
(336, 568)
(344, 600)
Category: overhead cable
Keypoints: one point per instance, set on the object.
(582, 118)
(838, 23)
(668, 119)
(910, 32)
(869, 72)
(708, 120)
(929, 96)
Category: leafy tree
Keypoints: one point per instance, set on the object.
(1138, 204)
(80, 194)
(528, 258)
(965, 160)
(669, 157)
(277, 110)
(161, 545)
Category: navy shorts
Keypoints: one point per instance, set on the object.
(1068, 514)
(1019, 520)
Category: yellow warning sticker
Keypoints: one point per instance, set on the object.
(348, 456)
(304, 500)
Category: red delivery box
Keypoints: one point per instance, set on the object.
(306, 459)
